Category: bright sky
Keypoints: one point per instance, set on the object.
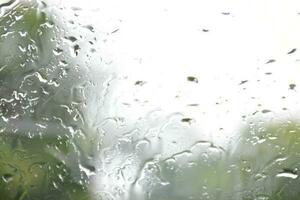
(222, 43)
(162, 42)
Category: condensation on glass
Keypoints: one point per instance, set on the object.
(149, 100)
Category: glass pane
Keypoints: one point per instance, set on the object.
(149, 100)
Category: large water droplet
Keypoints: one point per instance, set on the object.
(287, 174)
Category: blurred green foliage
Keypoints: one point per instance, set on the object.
(29, 171)
(268, 156)
(262, 164)
(29, 93)
(25, 36)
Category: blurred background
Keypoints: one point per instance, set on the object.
(161, 99)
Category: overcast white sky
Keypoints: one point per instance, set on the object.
(162, 42)
(222, 43)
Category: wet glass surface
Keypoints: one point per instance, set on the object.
(149, 100)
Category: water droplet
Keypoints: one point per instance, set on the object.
(76, 8)
(71, 38)
(287, 174)
(292, 86)
(76, 48)
(55, 185)
(140, 83)
(78, 94)
(192, 79)
(193, 104)
(22, 49)
(225, 13)
(23, 33)
(262, 197)
(88, 170)
(43, 5)
(6, 3)
(7, 177)
(292, 51)
(243, 82)
(115, 31)
(90, 28)
(57, 51)
(270, 61)
(266, 111)
(187, 120)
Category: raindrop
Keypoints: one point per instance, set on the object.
(23, 33)
(75, 50)
(90, 28)
(270, 61)
(187, 120)
(88, 170)
(75, 8)
(292, 51)
(7, 177)
(287, 174)
(63, 63)
(140, 83)
(193, 104)
(292, 86)
(266, 111)
(17, 18)
(262, 197)
(78, 94)
(7, 3)
(192, 79)
(49, 24)
(115, 31)
(55, 185)
(57, 51)
(71, 38)
(22, 49)
(225, 13)
(242, 82)
(42, 4)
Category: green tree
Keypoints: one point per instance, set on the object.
(38, 114)
(268, 156)
(262, 164)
